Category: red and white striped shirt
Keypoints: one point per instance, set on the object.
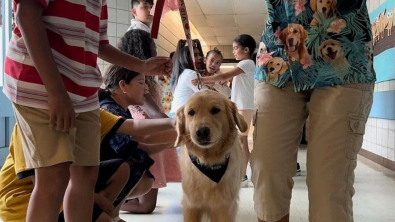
(75, 29)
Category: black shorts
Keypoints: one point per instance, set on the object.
(106, 170)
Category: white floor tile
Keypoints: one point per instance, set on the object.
(374, 199)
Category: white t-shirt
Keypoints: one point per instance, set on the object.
(243, 86)
(184, 89)
(136, 24)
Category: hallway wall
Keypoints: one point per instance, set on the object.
(379, 139)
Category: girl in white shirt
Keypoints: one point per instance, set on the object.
(242, 86)
(183, 74)
(213, 62)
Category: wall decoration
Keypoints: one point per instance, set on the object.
(383, 29)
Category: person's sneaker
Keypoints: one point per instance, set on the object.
(298, 171)
(244, 181)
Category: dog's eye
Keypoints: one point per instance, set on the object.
(278, 64)
(215, 110)
(191, 112)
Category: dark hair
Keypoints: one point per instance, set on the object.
(216, 51)
(182, 60)
(171, 55)
(245, 40)
(113, 76)
(134, 3)
(254, 57)
(137, 43)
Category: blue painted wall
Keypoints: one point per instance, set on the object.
(383, 105)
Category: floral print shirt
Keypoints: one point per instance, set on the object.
(316, 43)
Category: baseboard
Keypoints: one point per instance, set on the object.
(378, 159)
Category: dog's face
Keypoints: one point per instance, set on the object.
(276, 65)
(330, 50)
(326, 7)
(206, 119)
(293, 37)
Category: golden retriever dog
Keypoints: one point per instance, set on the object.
(294, 37)
(211, 161)
(275, 66)
(331, 52)
(326, 8)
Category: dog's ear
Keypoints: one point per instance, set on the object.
(333, 7)
(313, 5)
(180, 126)
(303, 34)
(283, 36)
(284, 67)
(235, 117)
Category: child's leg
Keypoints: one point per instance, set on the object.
(145, 204)
(142, 187)
(50, 153)
(243, 137)
(79, 195)
(78, 200)
(46, 199)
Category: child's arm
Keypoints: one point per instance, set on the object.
(152, 66)
(30, 21)
(168, 136)
(151, 108)
(143, 127)
(157, 148)
(219, 77)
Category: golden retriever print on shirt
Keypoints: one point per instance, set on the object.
(324, 8)
(331, 52)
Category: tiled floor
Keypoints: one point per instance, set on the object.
(374, 199)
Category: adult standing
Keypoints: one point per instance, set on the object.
(318, 53)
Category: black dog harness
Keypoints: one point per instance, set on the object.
(214, 172)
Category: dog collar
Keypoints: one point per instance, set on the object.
(214, 172)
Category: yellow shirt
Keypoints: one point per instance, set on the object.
(15, 193)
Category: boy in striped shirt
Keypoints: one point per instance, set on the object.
(51, 77)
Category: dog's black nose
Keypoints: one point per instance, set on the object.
(324, 9)
(271, 69)
(203, 133)
(291, 41)
(330, 50)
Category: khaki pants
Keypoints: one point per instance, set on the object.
(43, 147)
(337, 123)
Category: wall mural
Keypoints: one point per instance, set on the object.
(383, 28)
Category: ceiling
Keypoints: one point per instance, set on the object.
(220, 21)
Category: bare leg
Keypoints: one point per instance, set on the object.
(142, 187)
(78, 200)
(142, 205)
(284, 219)
(245, 151)
(116, 182)
(104, 218)
(50, 184)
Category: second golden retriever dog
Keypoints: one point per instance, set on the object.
(330, 51)
(275, 66)
(210, 160)
(294, 37)
(326, 8)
